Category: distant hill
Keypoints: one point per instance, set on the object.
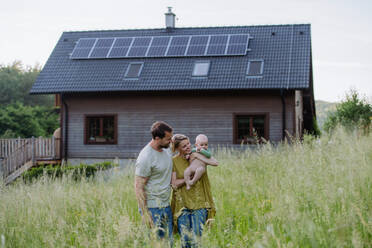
(323, 109)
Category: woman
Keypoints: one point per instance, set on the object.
(194, 207)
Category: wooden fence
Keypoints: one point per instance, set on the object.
(17, 152)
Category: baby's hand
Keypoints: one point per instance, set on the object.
(198, 149)
(187, 156)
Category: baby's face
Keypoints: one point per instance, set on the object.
(202, 144)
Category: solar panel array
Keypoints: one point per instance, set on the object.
(161, 46)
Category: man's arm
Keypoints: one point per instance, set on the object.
(139, 187)
(210, 161)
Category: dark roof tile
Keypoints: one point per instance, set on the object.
(286, 55)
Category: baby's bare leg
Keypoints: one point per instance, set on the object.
(187, 175)
(198, 174)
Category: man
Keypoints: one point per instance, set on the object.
(152, 180)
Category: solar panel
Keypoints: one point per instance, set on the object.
(120, 47)
(157, 51)
(238, 39)
(196, 50)
(104, 42)
(238, 44)
(82, 48)
(180, 40)
(161, 46)
(80, 53)
(137, 51)
(118, 52)
(198, 45)
(178, 45)
(161, 41)
(216, 49)
(86, 43)
(141, 41)
(123, 42)
(176, 51)
(218, 39)
(158, 46)
(101, 48)
(236, 49)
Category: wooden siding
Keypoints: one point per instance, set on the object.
(190, 115)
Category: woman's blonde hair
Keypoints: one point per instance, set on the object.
(176, 139)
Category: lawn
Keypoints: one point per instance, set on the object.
(317, 193)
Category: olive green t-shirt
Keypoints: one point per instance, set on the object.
(197, 197)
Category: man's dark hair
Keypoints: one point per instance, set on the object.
(159, 128)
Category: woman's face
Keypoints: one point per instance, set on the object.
(184, 147)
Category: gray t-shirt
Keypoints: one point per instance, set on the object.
(157, 166)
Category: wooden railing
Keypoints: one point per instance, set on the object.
(8, 146)
(17, 152)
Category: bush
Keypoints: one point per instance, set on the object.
(352, 113)
(56, 171)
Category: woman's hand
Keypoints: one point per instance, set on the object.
(176, 183)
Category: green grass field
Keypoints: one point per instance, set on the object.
(315, 194)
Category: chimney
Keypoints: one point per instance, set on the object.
(170, 19)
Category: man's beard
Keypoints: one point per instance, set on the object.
(164, 146)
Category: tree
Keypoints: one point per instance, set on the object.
(352, 113)
(16, 82)
(21, 114)
(17, 120)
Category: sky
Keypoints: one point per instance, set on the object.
(341, 30)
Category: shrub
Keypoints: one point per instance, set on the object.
(76, 172)
(352, 113)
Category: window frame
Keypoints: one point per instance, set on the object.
(86, 129)
(201, 62)
(252, 114)
(139, 71)
(261, 69)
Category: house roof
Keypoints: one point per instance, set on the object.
(285, 50)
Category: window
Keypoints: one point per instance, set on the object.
(201, 69)
(255, 68)
(101, 129)
(250, 129)
(134, 70)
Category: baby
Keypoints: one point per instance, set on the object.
(197, 163)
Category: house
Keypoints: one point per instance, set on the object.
(239, 85)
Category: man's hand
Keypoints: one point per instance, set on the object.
(139, 186)
(147, 220)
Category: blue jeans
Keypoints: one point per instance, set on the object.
(190, 226)
(163, 221)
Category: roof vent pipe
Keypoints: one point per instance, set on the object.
(170, 19)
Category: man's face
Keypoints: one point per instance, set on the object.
(165, 142)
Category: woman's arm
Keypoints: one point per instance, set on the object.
(176, 183)
(210, 161)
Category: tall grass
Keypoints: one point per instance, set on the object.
(314, 194)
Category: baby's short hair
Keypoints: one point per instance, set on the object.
(201, 137)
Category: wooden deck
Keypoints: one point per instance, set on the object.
(19, 155)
